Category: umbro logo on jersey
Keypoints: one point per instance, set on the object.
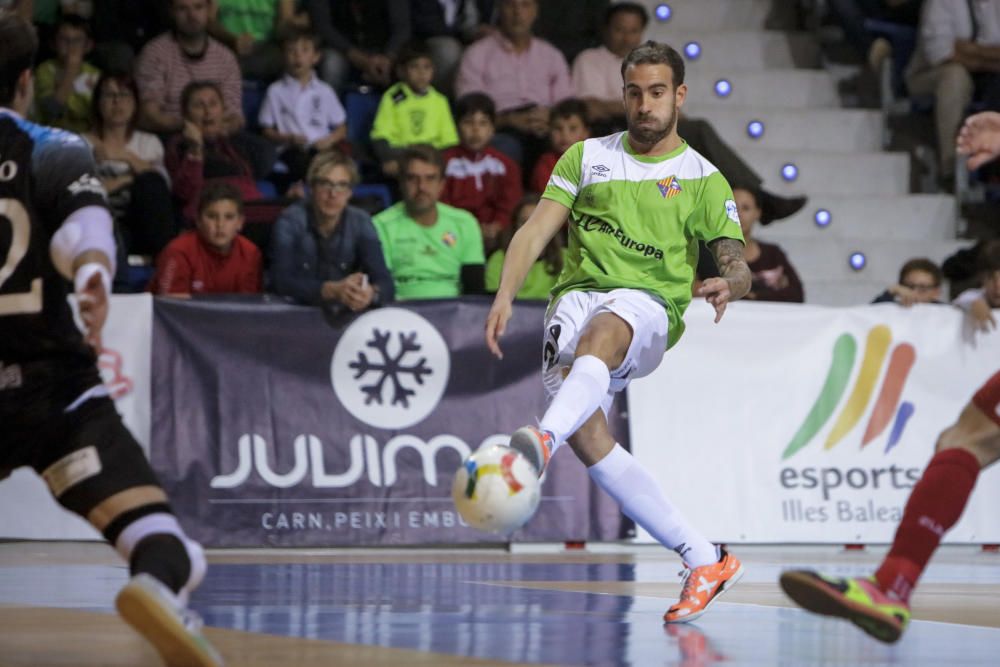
(600, 171)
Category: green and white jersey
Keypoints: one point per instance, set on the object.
(635, 221)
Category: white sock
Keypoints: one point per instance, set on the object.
(579, 396)
(641, 499)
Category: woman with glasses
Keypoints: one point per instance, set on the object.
(130, 165)
(325, 252)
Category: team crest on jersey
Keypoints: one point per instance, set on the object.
(449, 239)
(670, 187)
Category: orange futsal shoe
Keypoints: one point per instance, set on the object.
(703, 586)
(535, 444)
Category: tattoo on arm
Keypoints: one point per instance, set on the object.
(729, 256)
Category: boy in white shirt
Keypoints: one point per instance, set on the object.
(302, 113)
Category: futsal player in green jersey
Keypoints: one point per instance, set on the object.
(638, 203)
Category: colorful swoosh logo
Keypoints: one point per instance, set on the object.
(887, 402)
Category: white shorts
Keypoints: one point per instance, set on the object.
(567, 319)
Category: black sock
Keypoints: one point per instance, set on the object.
(164, 557)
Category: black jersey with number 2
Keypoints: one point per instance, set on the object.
(45, 175)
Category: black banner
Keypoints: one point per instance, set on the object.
(274, 425)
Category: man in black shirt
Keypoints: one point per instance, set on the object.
(56, 413)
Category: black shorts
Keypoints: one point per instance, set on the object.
(86, 454)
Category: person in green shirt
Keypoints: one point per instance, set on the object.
(434, 251)
(64, 85)
(638, 202)
(250, 28)
(411, 111)
(543, 274)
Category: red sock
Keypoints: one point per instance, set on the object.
(935, 505)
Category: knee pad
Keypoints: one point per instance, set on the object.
(162, 523)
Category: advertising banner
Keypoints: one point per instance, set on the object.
(278, 425)
(789, 423)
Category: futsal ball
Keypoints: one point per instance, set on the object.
(496, 489)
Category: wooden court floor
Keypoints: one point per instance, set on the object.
(304, 608)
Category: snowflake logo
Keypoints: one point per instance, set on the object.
(390, 367)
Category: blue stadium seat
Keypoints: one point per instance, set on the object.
(267, 189)
(360, 106)
(253, 98)
(378, 191)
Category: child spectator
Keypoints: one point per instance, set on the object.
(543, 274)
(130, 166)
(214, 258)
(919, 282)
(64, 85)
(478, 177)
(774, 277)
(567, 126)
(203, 151)
(411, 111)
(301, 113)
(979, 303)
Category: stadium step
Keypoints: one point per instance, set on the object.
(829, 260)
(711, 14)
(833, 130)
(823, 173)
(906, 217)
(782, 88)
(742, 49)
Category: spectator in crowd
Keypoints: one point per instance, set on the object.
(852, 14)
(478, 177)
(597, 75)
(773, 276)
(979, 302)
(360, 37)
(433, 250)
(173, 60)
(567, 126)
(324, 251)
(543, 274)
(130, 165)
(919, 282)
(203, 151)
(411, 111)
(571, 25)
(597, 79)
(301, 113)
(214, 258)
(958, 52)
(123, 27)
(445, 27)
(251, 29)
(64, 85)
(523, 74)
